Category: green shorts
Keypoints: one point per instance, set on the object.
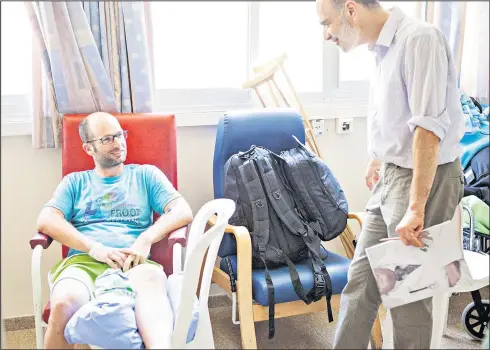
(83, 268)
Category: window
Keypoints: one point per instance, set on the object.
(16, 49)
(203, 60)
(200, 59)
(16, 64)
(295, 31)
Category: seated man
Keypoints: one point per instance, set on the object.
(105, 216)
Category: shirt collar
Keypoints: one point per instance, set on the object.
(389, 29)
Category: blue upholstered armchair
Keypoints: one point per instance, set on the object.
(272, 129)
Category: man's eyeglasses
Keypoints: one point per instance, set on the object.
(106, 140)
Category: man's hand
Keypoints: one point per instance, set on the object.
(410, 227)
(178, 214)
(111, 256)
(138, 252)
(372, 173)
(425, 155)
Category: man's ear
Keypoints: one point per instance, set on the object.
(350, 8)
(88, 149)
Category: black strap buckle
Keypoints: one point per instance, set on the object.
(303, 232)
(319, 284)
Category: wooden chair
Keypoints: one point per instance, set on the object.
(273, 129)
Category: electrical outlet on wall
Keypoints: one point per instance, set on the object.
(344, 125)
(318, 126)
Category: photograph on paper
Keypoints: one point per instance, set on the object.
(405, 274)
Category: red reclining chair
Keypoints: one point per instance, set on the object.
(151, 140)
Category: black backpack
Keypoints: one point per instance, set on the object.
(477, 176)
(289, 202)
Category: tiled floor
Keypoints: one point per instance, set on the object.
(300, 332)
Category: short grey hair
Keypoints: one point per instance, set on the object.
(367, 3)
(84, 130)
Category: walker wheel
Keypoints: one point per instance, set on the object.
(476, 323)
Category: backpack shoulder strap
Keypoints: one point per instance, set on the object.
(260, 213)
(232, 180)
(258, 202)
(278, 196)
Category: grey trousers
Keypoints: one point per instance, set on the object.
(360, 299)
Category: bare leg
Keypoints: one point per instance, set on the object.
(67, 297)
(154, 316)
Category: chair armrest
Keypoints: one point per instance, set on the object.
(178, 236)
(348, 237)
(40, 239)
(357, 217)
(244, 251)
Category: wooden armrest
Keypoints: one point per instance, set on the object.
(244, 250)
(244, 280)
(178, 236)
(240, 232)
(40, 239)
(355, 216)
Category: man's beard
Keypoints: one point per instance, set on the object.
(349, 36)
(107, 162)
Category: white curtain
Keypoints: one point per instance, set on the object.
(465, 24)
(474, 66)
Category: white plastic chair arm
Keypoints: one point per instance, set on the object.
(177, 258)
(37, 294)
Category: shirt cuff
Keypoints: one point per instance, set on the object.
(438, 125)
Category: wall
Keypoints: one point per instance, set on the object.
(29, 177)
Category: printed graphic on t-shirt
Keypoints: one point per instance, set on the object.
(113, 206)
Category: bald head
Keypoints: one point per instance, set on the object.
(339, 4)
(103, 139)
(329, 8)
(89, 125)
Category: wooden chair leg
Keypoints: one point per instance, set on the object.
(245, 309)
(376, 335)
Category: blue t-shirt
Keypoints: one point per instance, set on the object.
(113, 210)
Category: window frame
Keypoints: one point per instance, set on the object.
(17, 114)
